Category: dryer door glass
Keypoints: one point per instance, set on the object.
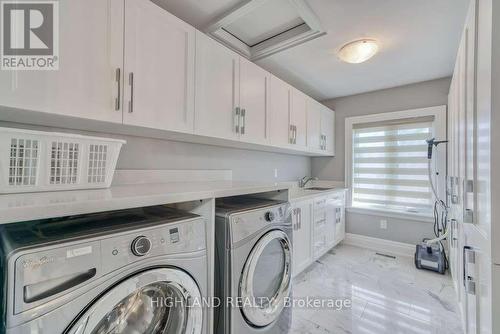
(266, 277)
(159, 301)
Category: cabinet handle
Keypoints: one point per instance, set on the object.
(237, 120)
(300, 218)
(295, 134)
(131, 83)
(468, 214)
(469, 281)
(243, 121)
(118, 75)
(291, 134)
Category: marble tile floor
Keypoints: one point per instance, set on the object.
(387, 295)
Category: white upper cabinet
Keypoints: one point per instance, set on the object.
(320, 128)
(139, 65)
(254, 93)
(314, 135)
(328, 130)
(298, 118)
(90, 53)
(280, 132)
(217, 113)
(159, 68)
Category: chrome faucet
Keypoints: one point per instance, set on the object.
(305, 180)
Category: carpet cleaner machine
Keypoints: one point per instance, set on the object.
(430, 253)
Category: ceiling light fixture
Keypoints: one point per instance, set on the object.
(358, 51)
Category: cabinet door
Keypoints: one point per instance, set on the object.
(331, 220)
(254, 82)
(328, 130)
(301, 235)
(280, 133)
(338, 200)
(90, 53)
(298, 118)
(470, 115)
(314, 135)
(217, 91)
(159, 68)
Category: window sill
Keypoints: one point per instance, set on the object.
(392, 214)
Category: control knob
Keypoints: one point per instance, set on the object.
(269, 216)
(141, 246)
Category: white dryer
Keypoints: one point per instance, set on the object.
(124, 272)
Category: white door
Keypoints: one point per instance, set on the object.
(217, 90)
(90, 66)
(254, 89)
(280, 132)
(159, 68)
(328, 130)
(314, 135)
(301, 222)
(298, 118)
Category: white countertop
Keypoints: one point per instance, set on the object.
(297, 194)
(30, 206)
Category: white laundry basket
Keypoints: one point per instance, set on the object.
(33, 161)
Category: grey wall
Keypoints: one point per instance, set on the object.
(247, 165)
(420, 95)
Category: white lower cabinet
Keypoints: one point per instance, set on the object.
(301, 220)
(318, 225)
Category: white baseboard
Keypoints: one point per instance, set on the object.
(380, 245)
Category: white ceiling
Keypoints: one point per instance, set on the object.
(419, 40)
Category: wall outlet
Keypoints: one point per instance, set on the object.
(276, 173)
(383, 224)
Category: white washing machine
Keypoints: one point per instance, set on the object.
(253, 266)
(123, 272)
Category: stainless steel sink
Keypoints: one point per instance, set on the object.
(318, 188)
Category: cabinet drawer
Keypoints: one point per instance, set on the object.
(320, 215)
(319, 204)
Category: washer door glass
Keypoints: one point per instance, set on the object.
(265, 282)
(158, 301)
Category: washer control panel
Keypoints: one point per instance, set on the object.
(245, 224)
(170, 239)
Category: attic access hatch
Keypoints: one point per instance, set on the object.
(260, 28)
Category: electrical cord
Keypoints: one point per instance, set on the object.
(440, 218)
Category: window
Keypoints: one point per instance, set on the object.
(388, 162)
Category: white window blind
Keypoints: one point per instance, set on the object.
(389, 167)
